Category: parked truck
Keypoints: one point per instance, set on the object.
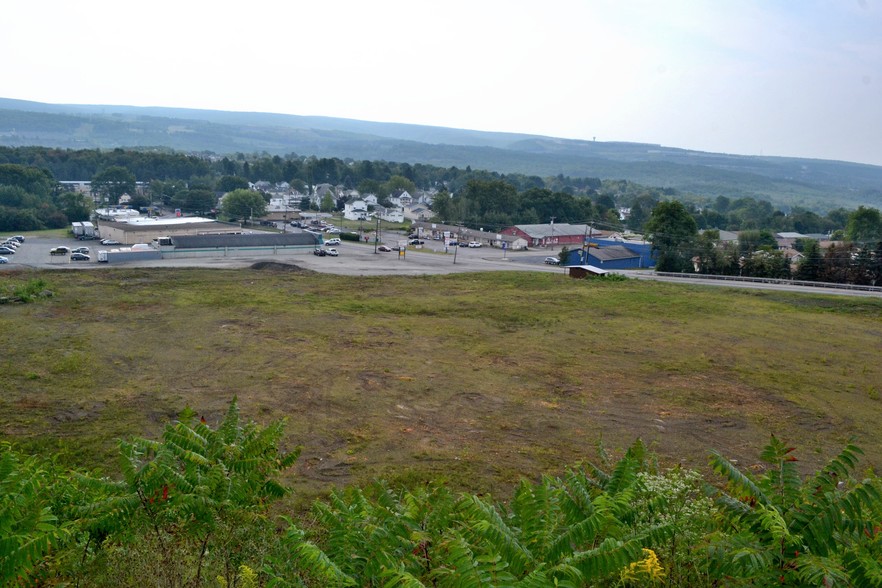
(83, 230)
(89, 231)
(128, 254)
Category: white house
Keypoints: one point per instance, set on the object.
(391, 215)
(401, 198)
(355, 210)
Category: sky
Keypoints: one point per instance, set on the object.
(799, 78)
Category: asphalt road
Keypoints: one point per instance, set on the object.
(359, 259)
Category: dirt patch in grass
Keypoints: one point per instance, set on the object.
(277, 267)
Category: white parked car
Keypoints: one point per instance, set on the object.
(334, 241)
(474, 244)
(332, 252)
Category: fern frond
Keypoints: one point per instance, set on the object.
(736, 478)
(229, 428)
(608, 558)
(488, 527)
(863, 568)
(813, 570)
(400, 578)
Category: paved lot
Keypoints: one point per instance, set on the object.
(354, 259)
(360, 260)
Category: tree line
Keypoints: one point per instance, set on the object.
(475, 198)
(194, 509)
(679, 247)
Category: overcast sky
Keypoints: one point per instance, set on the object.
(757, 77)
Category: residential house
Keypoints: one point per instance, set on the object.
(391, 215)
(401, 198)
(786, 240)
(355, 209)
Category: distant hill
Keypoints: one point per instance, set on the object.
(811, 183)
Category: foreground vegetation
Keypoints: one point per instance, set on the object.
(192, 510)
(452, 389)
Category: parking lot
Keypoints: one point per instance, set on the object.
(354, 259)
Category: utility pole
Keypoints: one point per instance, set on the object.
(377, 235)
(552, 231)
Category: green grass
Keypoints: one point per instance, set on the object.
(475, 379)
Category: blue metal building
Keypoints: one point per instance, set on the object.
(612, 254)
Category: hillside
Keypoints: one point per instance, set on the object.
(439, 376)
(815, 184)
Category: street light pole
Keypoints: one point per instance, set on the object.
(377, 235)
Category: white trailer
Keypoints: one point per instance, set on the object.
(128, 254)
(89, 231)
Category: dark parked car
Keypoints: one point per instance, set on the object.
(59, 251)
(79, 257)
(7, 250)
(319, 252)
(384, 248)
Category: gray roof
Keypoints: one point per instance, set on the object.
(559, 229)
(252, 240)
(171, 226)
(612, 252)
(724, 235)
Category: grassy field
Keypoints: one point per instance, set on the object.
(474, 379)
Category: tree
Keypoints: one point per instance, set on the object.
(864, 226)
(753, 240)
(441, 205)
(243, 204)
(789, 532)
(138, 202)
(672, 232)
(766, 263)
(563, 256)
(75, 205)
(230, 183)
(398, 183)
(190, 494)
(200, 200)
(327, 203)
(112, 183)
(809, 267)
(31, 179)
(29, 530)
